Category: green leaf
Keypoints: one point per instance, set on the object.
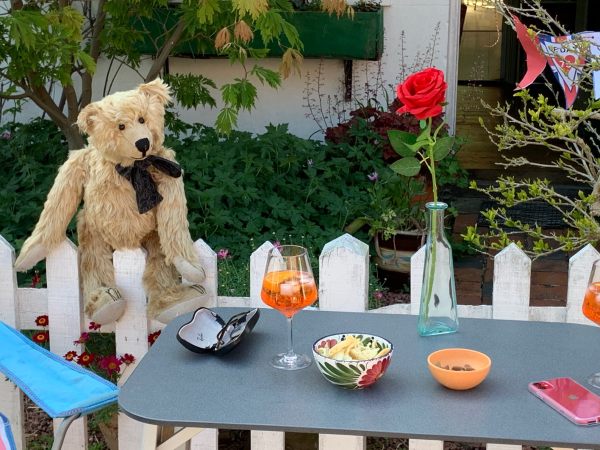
(226, 120)
(268, 76)
(207, 10)
(402, 142)
(408, 167)
(422, 124)
(443, 147)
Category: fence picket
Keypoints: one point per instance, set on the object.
(580, 266)
(258, 262)
(343, 286)
(512, 279)
(417, 266)
(131, 331)
(11, 398)
(262, 440)
(208, 260)
(208, 439)
(344, 275)
(65, 321)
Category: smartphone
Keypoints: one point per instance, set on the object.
(569, 398)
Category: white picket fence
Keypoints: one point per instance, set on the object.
(343, 286)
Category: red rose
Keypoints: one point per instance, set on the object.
(423, 93)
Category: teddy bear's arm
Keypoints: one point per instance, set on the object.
(173, 228)
(60, 206)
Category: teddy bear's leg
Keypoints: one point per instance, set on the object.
(103, 302)
(167, 297)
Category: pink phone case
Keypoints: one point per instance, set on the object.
(569, 398)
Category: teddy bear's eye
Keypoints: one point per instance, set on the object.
(141, 120)
(121, 127)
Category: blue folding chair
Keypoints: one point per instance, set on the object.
(61, 388)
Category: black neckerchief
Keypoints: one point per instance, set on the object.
(146, 193)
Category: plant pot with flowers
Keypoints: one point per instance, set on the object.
(422, 95)
(395, 219)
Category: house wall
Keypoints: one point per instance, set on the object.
(418, 33)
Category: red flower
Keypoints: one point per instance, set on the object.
(35, 279)
(111, 364)
(41, 321)
(85, 359)
(152, 337)
(127, 358)
(94, 326)
(423, 93)
(70, 356)
(40, 337)
(82, 339)
(374, 373)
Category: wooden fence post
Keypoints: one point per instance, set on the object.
(11, 398)
(208, 260)
(580, 266)
(417, 266)
(344, 275)
(262, 440)
(510, 296)
(131, 330)
(66, 321)
(343, 286)
(258, 261)
(512, 284)
(207, 439)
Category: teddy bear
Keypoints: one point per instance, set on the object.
(133, 196)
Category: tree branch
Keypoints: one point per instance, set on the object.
(165, 51)
(95, 48)
(15, 96)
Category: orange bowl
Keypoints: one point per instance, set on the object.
(459, 368)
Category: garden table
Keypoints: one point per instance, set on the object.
(175, 387)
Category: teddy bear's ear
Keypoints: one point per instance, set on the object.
(157, 88)
(87, 117)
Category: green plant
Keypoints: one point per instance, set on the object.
(49, 43)
(243, 187)
(392, 205)
(570, 135)
(30, 155)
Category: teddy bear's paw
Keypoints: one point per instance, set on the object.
(105, 305)
(189, 270)
(30, 255)
(192, 298)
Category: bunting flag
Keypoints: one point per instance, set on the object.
(562, 54)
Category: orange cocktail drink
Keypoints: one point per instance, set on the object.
(288, 291)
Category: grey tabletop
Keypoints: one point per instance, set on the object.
(240, 390)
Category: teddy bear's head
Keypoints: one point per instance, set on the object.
(127, 126)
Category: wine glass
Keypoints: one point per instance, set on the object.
(289, 286)
(591, 308)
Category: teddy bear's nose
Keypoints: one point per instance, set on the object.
(142, 145)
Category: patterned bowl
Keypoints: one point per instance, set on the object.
(343, 370)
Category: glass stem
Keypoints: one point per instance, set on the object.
(290, 352)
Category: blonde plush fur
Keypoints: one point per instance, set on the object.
(109, 219)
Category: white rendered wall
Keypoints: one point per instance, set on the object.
(417, 20)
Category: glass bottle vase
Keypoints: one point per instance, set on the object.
(438, 311)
